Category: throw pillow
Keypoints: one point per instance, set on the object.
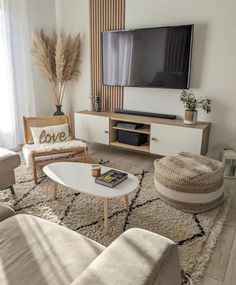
(50, 134)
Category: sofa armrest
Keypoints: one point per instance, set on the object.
(9, 160)
(136, 257)
(5, 212)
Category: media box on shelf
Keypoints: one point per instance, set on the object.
(131, 137)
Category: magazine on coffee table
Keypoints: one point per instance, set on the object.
(111, 178)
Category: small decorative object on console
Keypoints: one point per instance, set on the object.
(91, 98)
(96, 170)
(111, 178)
(191, 104)
(97, 104)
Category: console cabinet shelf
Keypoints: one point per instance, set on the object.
(165, 136)
(142, 148)
(142, 130)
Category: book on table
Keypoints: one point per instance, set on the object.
(111, 178)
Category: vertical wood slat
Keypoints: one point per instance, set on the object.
(104, 15)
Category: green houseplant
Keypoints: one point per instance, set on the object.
(191, 104)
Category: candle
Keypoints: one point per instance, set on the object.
(96, 170)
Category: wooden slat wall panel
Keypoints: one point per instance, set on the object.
(104, 15)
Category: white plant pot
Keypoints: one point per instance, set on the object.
(190, 117)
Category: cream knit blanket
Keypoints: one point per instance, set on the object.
(29, 148)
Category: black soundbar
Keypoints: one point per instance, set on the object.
(148, 114)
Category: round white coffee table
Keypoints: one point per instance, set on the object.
(77, 176)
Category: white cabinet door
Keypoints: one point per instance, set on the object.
(92, 128)
(166, 140)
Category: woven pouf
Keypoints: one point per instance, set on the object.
(189, 182)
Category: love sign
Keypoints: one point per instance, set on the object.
(51, 137)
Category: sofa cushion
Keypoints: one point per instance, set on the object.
(38, 252)
(136, 257)
(5, 212)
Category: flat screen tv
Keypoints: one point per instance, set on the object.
(153, 57)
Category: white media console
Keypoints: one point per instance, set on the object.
(165, 136)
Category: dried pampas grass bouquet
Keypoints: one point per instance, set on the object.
(58, 57)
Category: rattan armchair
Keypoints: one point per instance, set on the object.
(40, 155)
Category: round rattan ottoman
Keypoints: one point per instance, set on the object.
(189, 182)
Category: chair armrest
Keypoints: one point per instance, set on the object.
(57, 151)
(136, 257)
(5, 212)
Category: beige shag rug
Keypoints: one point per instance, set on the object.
(195, 234)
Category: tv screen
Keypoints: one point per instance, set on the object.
(153, 57)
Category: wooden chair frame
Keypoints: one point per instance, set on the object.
(49, 121)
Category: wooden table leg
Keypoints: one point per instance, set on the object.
(106, 205)
(55, 191)
(127, 201)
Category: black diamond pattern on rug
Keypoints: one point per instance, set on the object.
(128, 212)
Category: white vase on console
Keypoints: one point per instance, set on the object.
(91, 102)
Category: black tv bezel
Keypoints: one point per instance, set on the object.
(152, 28)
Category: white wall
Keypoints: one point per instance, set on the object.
(213, 65)
(41, 15)
(73, 17)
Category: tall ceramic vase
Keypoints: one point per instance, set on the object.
(91, 100)
(58, 111)
(190, 117)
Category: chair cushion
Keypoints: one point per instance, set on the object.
(9, 160)
(38, 252)
(29, 148)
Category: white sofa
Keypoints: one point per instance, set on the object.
(36, 252)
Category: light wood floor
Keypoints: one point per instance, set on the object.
(221, 269)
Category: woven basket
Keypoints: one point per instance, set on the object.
(190, 182)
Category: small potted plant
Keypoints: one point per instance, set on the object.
(191, 104)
